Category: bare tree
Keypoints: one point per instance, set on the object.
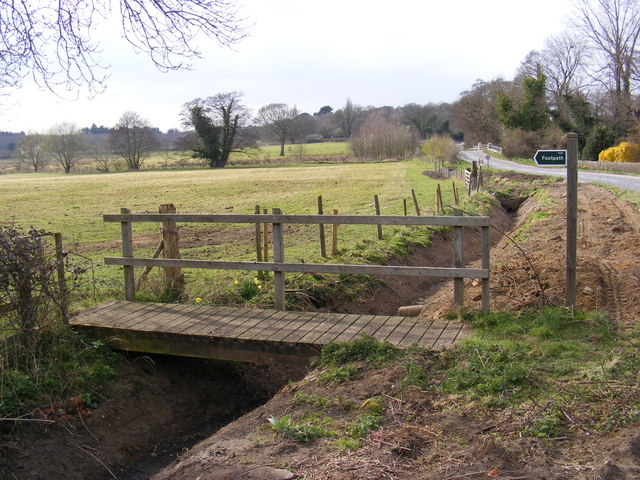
(31, 151)
(347, 118)
(380, 138)
(612, 29)
(423, 117)
(52, 40)
(133, 139)
(65, 143)
(279, 120)
(564, 59)
(474, 114)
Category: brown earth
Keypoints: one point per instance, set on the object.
(162, 401)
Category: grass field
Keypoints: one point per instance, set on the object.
(74, 205)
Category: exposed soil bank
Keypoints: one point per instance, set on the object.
(159, 409)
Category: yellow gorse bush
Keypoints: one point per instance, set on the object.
(625, 152)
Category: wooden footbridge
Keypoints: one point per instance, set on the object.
(258, 336)
(271, 336)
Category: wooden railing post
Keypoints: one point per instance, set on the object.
(62, 282)
(486, 248)
(458, 261)
(258, 242)
(173, 277)
(376, 201)
(323, 242)
(127, 252)
(278, 257)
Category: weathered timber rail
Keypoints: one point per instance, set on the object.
(257, 336)
(279, 266)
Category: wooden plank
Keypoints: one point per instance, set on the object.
(186, 316)
(327, 322)
(388, 270)
(415, 334)
(249, 321)
(308, 324)
(147, 319)
(336, 329)
(387, 329)
(225, 320)
(449, 335)
(443, 221)
(435, 332)
(372, 328)
(121, 313)
(298, 322)
(351, 332)
(265, 328)
(208, 323)
(401, 331)
(87, 315)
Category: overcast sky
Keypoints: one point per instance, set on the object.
(312, 54)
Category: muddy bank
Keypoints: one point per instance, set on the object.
(158, 410)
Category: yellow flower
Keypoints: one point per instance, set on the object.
(198, 300)
(235, 282)
(256, 281)
(259, 287)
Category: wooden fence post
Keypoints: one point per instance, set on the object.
(323, 244)
(404, 204)
(127, 252)
(265, 239)
(415, 201)
(62, 282)
(278, 257)
(173, 277)
(458, 261)
(486, 248)
(439, 203)
(334, 246)
(260, 274)
(376, 201)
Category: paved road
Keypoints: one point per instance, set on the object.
(626, 182)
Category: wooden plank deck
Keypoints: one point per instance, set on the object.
(258, 336)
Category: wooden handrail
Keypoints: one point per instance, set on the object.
(279, 266)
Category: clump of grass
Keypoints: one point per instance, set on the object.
(67, 364)
(514, 356)
(364, 349)
(304, 429)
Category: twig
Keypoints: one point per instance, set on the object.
(95, 458)
(36, 420)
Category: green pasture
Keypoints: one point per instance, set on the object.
(74, 205)
(266, 154)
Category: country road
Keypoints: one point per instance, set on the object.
(626, 182)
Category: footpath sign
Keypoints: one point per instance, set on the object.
(551, 158)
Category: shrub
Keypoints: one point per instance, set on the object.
(625, 152)
(599, 138)
(380, 139)
(524, 144)
(442, 147)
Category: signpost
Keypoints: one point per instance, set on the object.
(551, 158)
(560, 158)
